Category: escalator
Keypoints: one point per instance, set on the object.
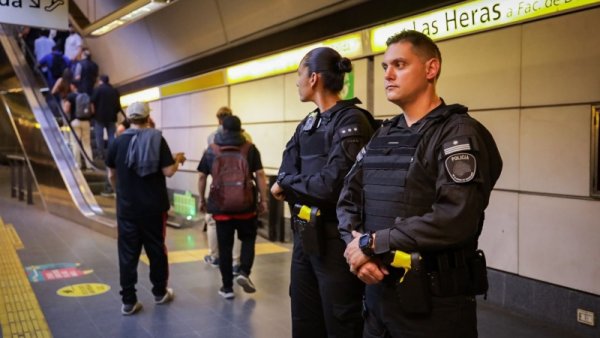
(38, 132)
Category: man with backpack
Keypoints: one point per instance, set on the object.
(78, 108)
(212, 257)
(232, 162)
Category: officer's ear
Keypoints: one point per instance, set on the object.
(314, 79)
(432, 68)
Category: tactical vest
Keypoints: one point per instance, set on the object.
(315, 146)
(389, 164)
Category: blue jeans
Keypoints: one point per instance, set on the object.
(99, 127)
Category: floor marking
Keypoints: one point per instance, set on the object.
(20, 312)
(83, 290)
(14, 237)
(185, 256)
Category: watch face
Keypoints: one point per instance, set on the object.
(363, 241)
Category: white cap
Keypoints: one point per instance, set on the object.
(138, 110)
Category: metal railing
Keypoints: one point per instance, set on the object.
(20, 178)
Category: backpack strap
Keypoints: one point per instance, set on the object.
(245, 149)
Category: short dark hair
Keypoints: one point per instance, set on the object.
(139, 120)
(422, 44)
(232, 123)
(330, 64)
(104, 78)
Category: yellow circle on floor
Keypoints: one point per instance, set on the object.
(83, 290)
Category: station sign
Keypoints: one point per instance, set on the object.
(38, 13)
(473, 16)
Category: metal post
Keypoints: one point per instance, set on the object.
(13, 178)
(29, 192)
(21, 194)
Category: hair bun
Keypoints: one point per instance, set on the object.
(345, 65)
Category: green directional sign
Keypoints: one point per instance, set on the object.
(348, 89)
(185, 204)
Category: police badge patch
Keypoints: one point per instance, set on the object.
(461, 167)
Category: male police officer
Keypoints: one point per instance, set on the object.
(419, 190)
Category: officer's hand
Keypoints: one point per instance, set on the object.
(371, 273)
(277, 192)
(354, 255)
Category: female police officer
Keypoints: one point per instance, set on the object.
(326, 297)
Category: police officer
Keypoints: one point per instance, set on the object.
(325, 296)
(419, 190)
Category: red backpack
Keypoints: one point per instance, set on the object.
(232, 190)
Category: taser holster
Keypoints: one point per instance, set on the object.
(307, 223)
(411, 283)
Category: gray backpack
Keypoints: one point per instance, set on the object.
(83, 107)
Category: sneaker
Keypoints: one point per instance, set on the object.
(226, 293)
(245, 283)
(129, 309)
(236, 270)
(213, 261)
(166, 298)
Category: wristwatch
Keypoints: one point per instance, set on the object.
(365, 243)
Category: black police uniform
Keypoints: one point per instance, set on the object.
(424, 189)
(326, 297)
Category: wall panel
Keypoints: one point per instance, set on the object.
(204, 106)
(178, 140)
(500, 236)
(176, 111)
(270, 140)
(482, 70)
(558, 241)
(504, 126)
(198, 144)
(258, 101)
(555, 150)
(156, 113)
(560, 59)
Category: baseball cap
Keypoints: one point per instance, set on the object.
(138, 110)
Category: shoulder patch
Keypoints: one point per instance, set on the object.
(347, 131)
(461, 167)
(456, 145)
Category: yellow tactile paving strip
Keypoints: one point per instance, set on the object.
(185, 256)
(20, 312)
